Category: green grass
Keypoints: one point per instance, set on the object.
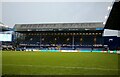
(59, 63)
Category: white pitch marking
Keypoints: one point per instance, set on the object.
(41, 66)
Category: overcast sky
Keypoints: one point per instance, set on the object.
(43, 12)
(0, 11)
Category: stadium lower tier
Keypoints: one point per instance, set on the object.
(62, 40)
(58, 40)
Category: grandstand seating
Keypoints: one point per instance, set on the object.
(54, 36)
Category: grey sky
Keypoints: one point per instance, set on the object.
(0, 11)
(57, 0)
(40, 12)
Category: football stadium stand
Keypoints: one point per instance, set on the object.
(59, 36)
(5, 37)
(112, 28)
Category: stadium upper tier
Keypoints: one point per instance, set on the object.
(59, 26)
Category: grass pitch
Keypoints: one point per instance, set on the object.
(59, 63)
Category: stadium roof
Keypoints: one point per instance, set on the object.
(59, 26)
(4, 27)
